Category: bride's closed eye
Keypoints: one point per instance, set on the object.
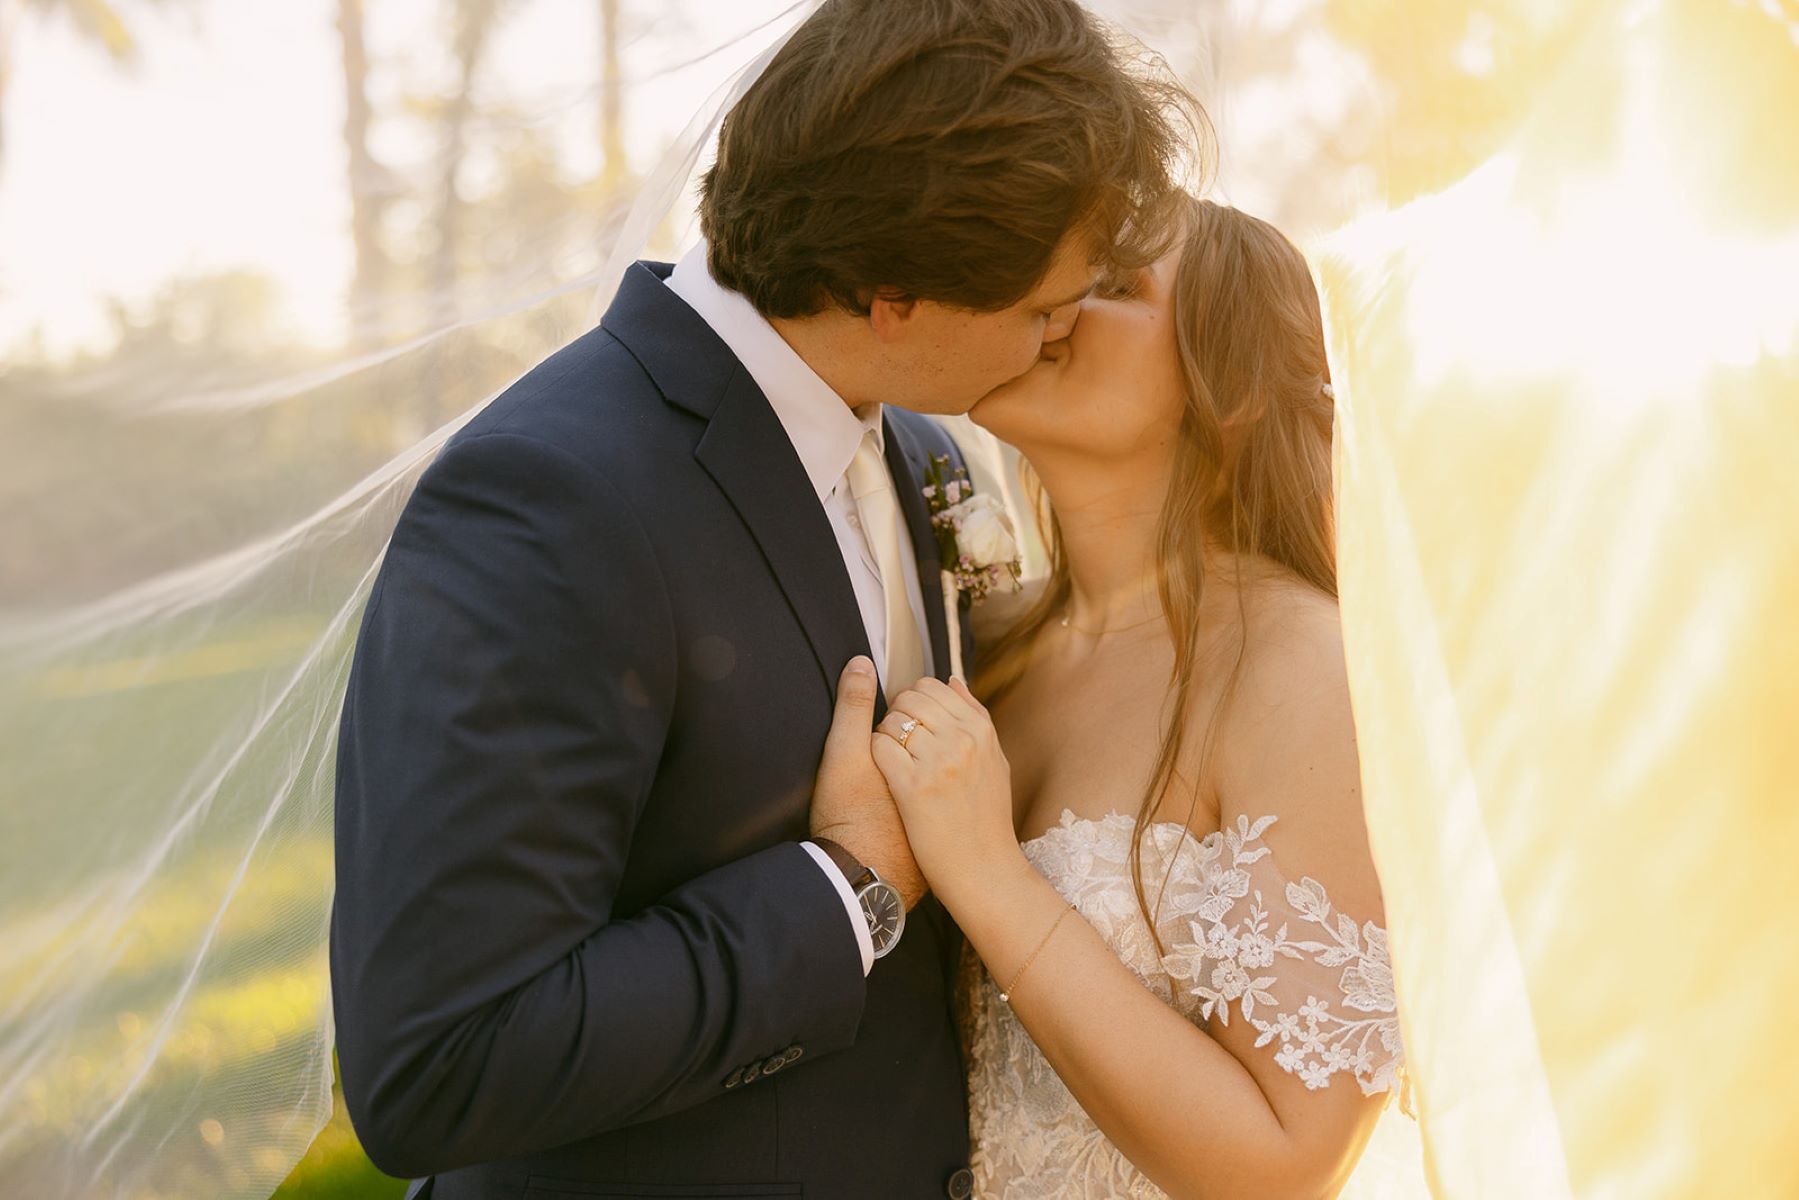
(1120, 286)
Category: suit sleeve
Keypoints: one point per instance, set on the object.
(507, 706)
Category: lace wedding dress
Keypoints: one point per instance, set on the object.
(1243, 943)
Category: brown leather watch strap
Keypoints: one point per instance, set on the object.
(851, 866)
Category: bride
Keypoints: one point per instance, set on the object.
(1151, 832)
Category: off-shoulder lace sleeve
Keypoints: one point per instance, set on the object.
(1252, 945)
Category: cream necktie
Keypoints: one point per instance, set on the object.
(875, 503)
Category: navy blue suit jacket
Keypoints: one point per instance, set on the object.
(577, 949)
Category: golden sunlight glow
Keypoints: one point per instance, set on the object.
(1569, 554)
(1618, 283)
(1566, 356)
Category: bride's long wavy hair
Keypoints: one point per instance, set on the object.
(1251, 479)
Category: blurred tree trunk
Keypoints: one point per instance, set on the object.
(367, 193)
(474, 23)
(613, 168)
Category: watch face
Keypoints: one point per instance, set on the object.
(886, 913)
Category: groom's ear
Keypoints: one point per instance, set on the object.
(890, 314)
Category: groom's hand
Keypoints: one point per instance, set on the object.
(851, 803)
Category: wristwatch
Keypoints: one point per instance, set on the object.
(882, 905)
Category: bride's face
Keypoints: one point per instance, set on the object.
(1112, 389)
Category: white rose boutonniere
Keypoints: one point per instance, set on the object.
(984, 532)
(975, 542)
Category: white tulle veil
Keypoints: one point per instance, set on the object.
(166, 864)
(189, 525)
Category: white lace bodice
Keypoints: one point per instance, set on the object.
(1243, 944)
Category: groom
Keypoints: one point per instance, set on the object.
(605, 926)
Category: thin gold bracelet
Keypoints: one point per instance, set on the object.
(1007, 994)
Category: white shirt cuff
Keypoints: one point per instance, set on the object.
(858, 922)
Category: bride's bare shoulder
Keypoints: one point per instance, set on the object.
(1292, 668)
(1288, 746)
(1000, 611)
(1287, 617)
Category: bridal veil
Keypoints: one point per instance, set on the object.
(1557, 250)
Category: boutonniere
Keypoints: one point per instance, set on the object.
(975, 543)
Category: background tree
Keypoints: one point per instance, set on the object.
(370, 185)
(615, 168)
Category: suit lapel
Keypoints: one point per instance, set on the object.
(906, 463)
(747, 453)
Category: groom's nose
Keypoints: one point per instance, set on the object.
(1061, 322)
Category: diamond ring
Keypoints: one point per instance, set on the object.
(906, 728)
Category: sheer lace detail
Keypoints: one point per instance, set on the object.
(1242, 943)
(1238, 936)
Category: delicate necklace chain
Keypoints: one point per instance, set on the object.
(1067, 624)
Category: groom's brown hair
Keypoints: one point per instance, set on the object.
(942, 149)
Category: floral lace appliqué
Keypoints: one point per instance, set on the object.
(1241, 943)
(1230, 959)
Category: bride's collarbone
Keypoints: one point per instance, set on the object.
(1083, 736)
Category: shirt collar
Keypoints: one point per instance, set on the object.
(824, 431)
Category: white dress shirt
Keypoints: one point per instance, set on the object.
(825, 433)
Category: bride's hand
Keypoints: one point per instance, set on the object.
(952, 784)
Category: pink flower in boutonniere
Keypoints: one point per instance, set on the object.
(975, 539)
(975, 542)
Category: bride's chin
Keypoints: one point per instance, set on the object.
(991, 412)
(999, 410)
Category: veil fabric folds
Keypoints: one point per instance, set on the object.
(170, 738)
(1566, 369)
(1568, 390)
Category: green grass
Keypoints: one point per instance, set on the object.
(104, 751)
(335, 1168)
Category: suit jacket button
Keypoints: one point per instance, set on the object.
(773, 1063)
(792, 1053)
(735, 1078)
(960, 1185)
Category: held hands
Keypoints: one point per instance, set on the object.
(952, 784)
(851, 804)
